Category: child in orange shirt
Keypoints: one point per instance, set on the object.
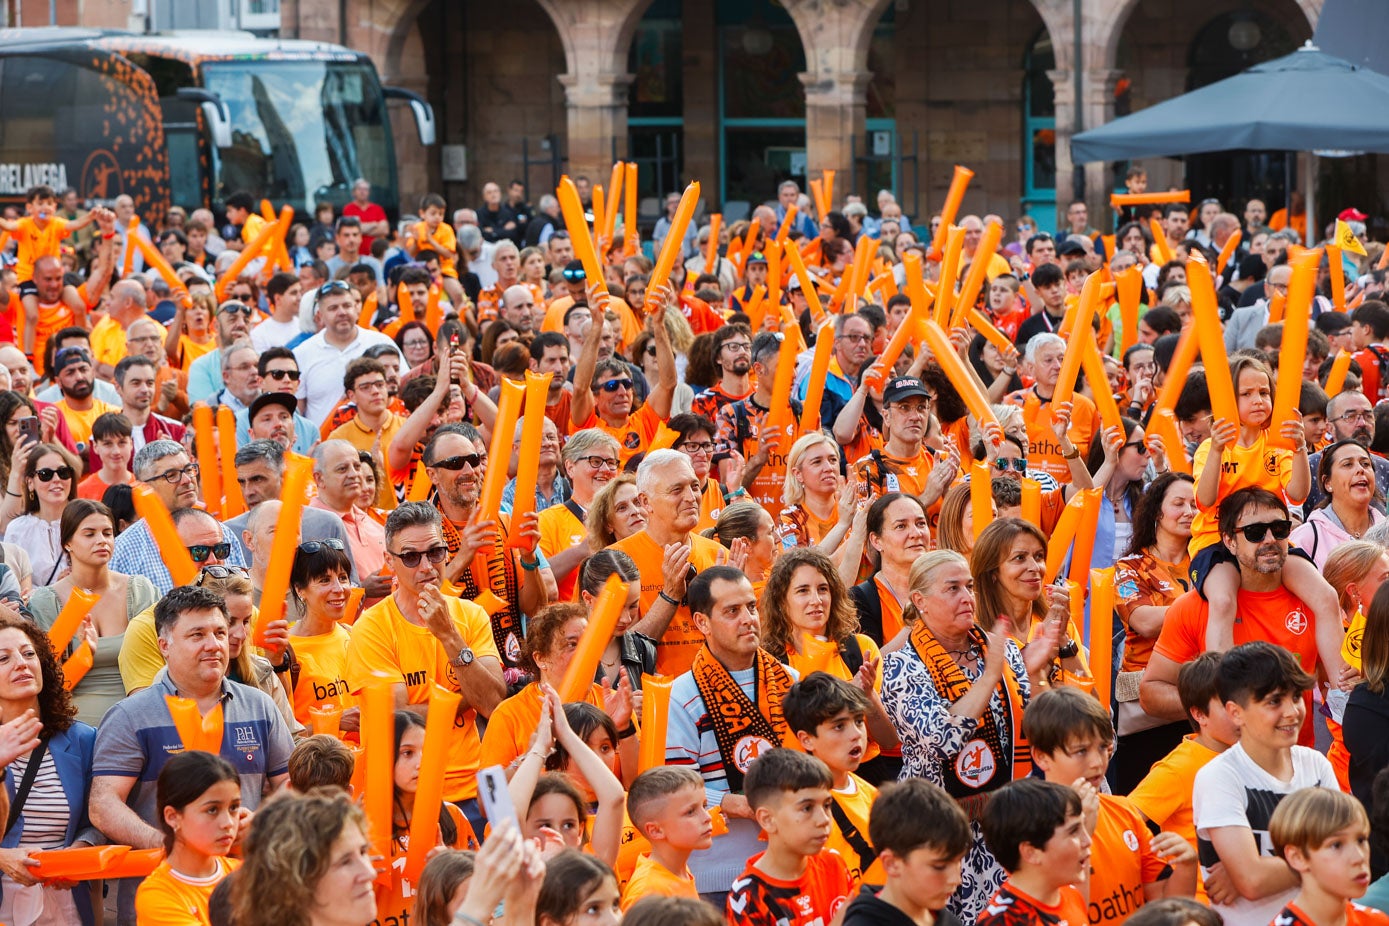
(434, 234)
(1040, 833)
(40, 234)
(1072, 740)
(667, 805)
(1237, 456)
(199, 798)
(1324, 836)
(796, 881)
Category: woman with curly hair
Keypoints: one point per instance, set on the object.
(308, 863)
(805, 598)
(52, 809)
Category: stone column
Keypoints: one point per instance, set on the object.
(596, 35)
(1098, 110)
(1065, 102)
(835, 34)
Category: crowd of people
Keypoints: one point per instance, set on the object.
(962, 575)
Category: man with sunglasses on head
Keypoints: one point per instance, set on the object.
(421, 637)
(455, 459)
(603, 389)
(338, 478)
(164, 467)
(1254, 526)
(232, 323)
(323, 358)
(274, 414)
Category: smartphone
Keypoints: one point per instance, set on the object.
(29, 429)
(495, 798)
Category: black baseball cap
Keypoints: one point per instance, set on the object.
(904, 387)
(285, 400)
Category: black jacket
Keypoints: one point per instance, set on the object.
(1366, 729)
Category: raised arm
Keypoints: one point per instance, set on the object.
(663, 394)
(581, 405)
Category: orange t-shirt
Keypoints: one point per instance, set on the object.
(652, 879)
(898, 474)
(35, 242)
(513, 723)
(1121, 861)
(813, 899)
(1279, 617)
(676, 649)
(1141, 581)
(856, 805)
(1043, 453)
(631, 324)
(446, 248)
(560, 531)
(1356, 915)
(710, 504)
(633, 436)
(1011, 907)
(1257, 465)
(169, 898)
(53, 318)
(1164, 794)
(385, 643)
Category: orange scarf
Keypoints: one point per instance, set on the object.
(744, 727)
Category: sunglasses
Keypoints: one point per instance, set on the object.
(613, 385)
(318, 546)
(1017, 465)
(1254, 533)
(411, 559)
(277, 375)
(235, 308)
(573, 276)
(220, 572)
(201, 551)
(455, 463)
(1138, 445)
(46, 474)
(333, 286)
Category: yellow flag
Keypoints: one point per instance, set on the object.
(1346, 240)
(1350, 646)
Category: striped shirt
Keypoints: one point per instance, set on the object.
(46, 810)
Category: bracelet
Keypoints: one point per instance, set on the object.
(663, 596)
(1073, 455)
(628, 733)
(532, 566)
(739, 492)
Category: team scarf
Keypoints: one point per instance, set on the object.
(982, 764)
(499, 578)
(744, 727)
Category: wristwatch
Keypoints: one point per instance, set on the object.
(1068, 649)
(463, 659)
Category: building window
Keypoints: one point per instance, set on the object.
(1039, 131)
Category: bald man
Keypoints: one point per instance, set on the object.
(974, 232)
(127, 306)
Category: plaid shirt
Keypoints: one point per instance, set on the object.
(137, 554)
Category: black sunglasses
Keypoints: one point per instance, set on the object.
(1137, 445)
(291, 375)
(318, 546)
(455, 463)
(46, 474)
(1254, 533)
(235, 308)
(220, 572)
(613, 385)
(201, 551)
(411, 559)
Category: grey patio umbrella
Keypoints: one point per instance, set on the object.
(1305, 101)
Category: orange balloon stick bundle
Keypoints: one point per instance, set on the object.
(819, 371)
(275, 592)
(602, 620)
(655, 708)
(209, 472)
(429, 791)
(1208, 332)
(528, 461)
(234, 503)
(981, 496)
(576, 223)
(378, 739)
(151, 509)
(675, 238)
(1102, 630)
(1119, 200)
(959, 182)
(1297, 323)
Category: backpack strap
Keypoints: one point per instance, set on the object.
(867, 855)
(870, 610)
(852, 654)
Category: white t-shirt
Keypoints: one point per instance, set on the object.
(271, 333)
(321, 368)
(1232, 791)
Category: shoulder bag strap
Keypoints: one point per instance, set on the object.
(31, 771)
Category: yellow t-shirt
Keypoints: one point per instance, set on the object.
(676, 649)
(322, 672)
(34, 242)
(253, 226)
(560, 531)
(856, 801)
(108, 341)
(1164, 794)
(80, 422)
(167, 898)
(652, 879)
(190, 350)
(1240, 468)
(140, 659)
(385, 643)
(447, 241)
(358, 436)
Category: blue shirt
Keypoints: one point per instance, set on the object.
(542, 501)
(137, 554)
(305, 434)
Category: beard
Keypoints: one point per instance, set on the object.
(81, 389)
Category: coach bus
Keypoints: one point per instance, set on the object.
(187, 118)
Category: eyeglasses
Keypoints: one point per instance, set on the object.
(414, 342)
(1254, 533)
(691, 447)
(1017, 465)
(1367, 415)
(738, 347)
(613, 385)
(318, 546)
(176, 476)
(455, 463)
(220, 572)
(601, 463)
(1138, 446)
(277, 375)
(411, 558)
(855, 338)
(373, 385)
(201, 551)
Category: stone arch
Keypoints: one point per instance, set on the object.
(1106, 42)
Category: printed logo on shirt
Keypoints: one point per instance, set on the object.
(632, 440)
(513, 648)
(1131, 840)
(975, 765)
(1271, 463)
(747, 751)
(1128, 590)
(891, 483)
(1296, 622)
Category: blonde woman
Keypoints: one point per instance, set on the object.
(819, 502)
(616, 513)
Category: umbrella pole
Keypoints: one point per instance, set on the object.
(1310, 200)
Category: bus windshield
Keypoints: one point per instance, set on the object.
(302, 131)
